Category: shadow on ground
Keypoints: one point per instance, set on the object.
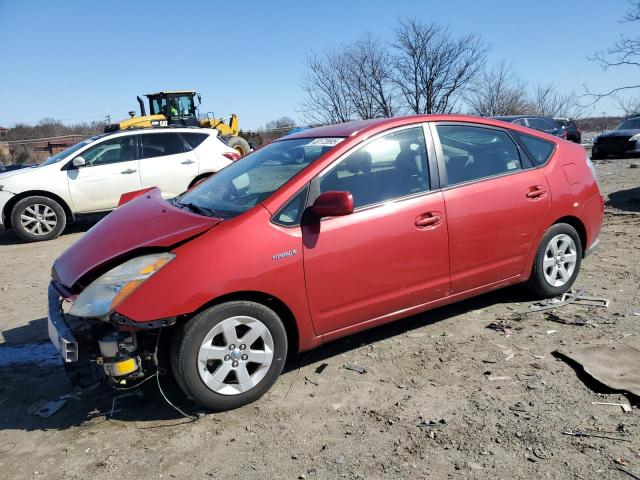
(628, 200)
(9, 237)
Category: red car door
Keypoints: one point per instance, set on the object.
(391, 253)
(495, 202)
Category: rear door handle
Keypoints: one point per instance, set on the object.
(537, 191)
(129, 171)
(428, 219)
(188, 162)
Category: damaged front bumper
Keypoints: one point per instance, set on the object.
(94, 349)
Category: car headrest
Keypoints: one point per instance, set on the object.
(359, 162)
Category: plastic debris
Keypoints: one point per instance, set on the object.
(594, 435)
(625, 406)
(355, 368)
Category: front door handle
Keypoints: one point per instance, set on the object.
(537, 191)
(428, 219)
(129, 171)
(188, 162)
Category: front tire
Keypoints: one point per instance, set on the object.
(37, 218)
(229, 355)
(557, 261)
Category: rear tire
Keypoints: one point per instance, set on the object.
(557, 261)
(229, 355)
(37, 218)
(239, 144)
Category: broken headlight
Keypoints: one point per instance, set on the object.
(104, 294)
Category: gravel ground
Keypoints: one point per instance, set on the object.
(443, 396)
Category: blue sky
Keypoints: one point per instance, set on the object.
(77, 61)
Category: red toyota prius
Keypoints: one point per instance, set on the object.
(318, 235)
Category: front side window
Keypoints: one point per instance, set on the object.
(471, 153)
(389, 167)
(161, 144)
(114, 150)
(181, 106)
(243, 184)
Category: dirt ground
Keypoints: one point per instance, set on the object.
(428, 406)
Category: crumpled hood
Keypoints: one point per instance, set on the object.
(147, 221)
(620, 133)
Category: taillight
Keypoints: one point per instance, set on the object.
(233, 156)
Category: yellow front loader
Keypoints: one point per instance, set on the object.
(178, 108)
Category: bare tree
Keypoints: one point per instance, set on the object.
(354, 81)
(282, 123)
(624, 53)
(433, 69)
(629, 105)
(547, 101)
(498, 92)
(366, 72)
(327, 97)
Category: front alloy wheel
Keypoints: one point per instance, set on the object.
(38, 218)
(230, 354)
(235, 355)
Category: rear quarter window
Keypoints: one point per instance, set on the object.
(539, 150)
(194, 139)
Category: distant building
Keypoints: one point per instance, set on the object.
(3, 131)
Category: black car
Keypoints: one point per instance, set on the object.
(621, 142)
(572, 132)
(544, 124)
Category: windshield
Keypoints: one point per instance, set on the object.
(633, 124)
(245, 183)
(65, 153)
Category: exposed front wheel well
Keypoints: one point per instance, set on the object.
(576, 223)
(6, 212)
(275, 304)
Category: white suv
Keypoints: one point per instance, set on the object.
(90, 176)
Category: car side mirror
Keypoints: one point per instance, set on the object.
(333, 204)
(79, 162)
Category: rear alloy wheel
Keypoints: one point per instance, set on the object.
(557, 261)
(38, 218)
(230, 354)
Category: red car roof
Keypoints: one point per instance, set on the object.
(350, 128)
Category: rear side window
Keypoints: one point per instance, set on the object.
(161, 144)
(471, 153)
(539, 150)
(194, 139)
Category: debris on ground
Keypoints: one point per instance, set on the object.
(46, 408)
(552, 317)
(312, 381)
(355, 368)
(615, 365)
(502, 327)
(628, 472)
(432, 423)
(321, 368)
(582, 434)
(495, 378)
(625, 406)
